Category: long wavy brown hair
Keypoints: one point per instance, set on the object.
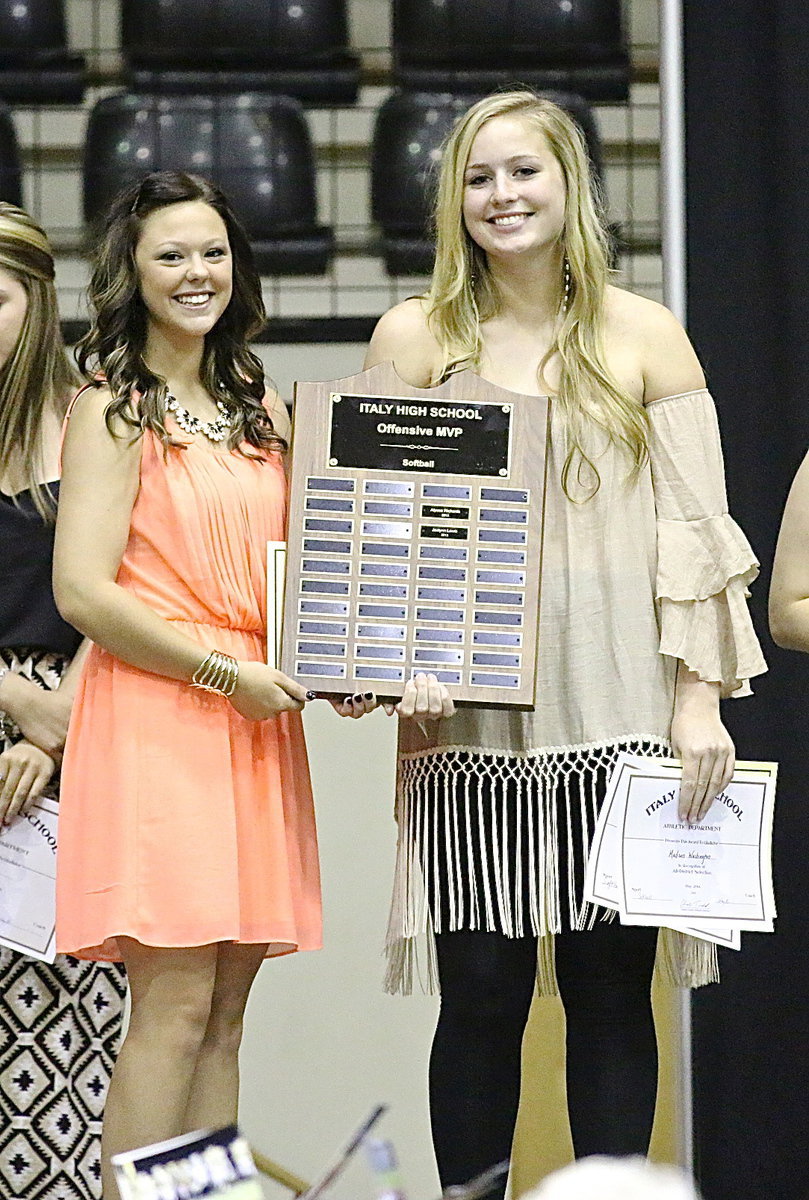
(112, 351)
(37, 376)
(463, 293)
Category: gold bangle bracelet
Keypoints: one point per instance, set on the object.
(217, 673)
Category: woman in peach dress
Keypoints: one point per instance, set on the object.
(187, 832)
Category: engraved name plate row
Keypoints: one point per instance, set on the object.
(415, 537)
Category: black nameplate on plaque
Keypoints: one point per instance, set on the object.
(388, 433)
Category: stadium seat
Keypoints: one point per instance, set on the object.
(36, 66)
(406, 152)
(209, 47)
(10, 169)
(478, 45)
(256, 148)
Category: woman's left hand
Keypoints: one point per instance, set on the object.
(354, 706)
(424, 699)
(25, 771)
(706, 750)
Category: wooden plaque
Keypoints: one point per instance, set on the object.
(415, 537)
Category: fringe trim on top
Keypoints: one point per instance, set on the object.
(435, 801)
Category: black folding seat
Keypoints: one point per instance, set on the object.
(409, 132)
(256, 148)
(36, 66)
(478, 45)
(10, 168)
(207, 47)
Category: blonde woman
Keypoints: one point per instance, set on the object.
(644, 627)
(63, 1021)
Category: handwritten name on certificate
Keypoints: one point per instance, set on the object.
(710, 880)
(28, 882)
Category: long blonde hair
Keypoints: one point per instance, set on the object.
(463, 293)
(37, 374)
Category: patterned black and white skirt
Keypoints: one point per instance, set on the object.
(60, 1027)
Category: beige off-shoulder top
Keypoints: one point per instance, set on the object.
(647, 572)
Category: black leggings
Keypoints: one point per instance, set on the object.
(487, 981)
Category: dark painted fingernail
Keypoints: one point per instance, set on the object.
(357, 698)
(369, 695)
(311, 695)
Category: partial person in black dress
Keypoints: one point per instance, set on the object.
(59, 1024)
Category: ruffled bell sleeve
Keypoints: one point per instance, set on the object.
(705, 563)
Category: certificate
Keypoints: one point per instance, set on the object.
(276, 570)
(720, 868)
(711, 879)
(28, 882)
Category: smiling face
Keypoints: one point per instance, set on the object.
(13, 307)
(514, 189)
(185, 268)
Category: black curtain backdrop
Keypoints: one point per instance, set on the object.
(747, 111)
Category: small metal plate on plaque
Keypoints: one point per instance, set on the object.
(431, 654)
(489, 617)
(388, 487)
(324, 606)
(326, 526)
(450, 636)
(443, 491)
(496, 637)
(329, 504)
(458, 573)
(387, 508)
(325, 546)
(325, 566)
(388, 570)
(330, 485)
(453, 553)
(393, 591)
(502, 556)
(389, 549)
(388, 611)
(415, 538)
(320, 628)
(370, 671)
(332, 669)
(394, 652)
(445, 532)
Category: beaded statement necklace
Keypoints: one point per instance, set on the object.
(214, 431)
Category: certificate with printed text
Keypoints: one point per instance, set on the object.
(719, 869)
(603, 884)
(709, 880)
(28, 882)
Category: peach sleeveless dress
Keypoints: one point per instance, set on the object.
(181, 823)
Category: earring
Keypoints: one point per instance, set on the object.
(566, 288)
